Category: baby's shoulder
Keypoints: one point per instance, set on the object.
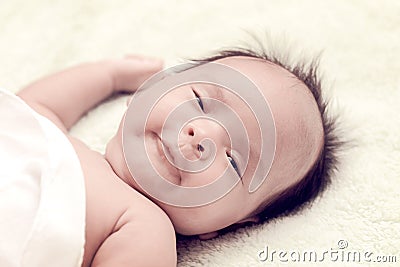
(121, 224)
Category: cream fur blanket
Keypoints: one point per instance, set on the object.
(361, 62)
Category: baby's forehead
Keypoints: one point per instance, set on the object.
(252, 66)
(275, 83)
(292, 104)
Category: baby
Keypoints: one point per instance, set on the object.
(129, 225)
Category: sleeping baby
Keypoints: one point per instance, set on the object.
(232, 139)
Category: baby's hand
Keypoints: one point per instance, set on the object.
(130, 72)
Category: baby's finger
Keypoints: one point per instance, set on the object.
(144, 59)
(133, 70)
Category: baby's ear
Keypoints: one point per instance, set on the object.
(207, 236)
(252, 219)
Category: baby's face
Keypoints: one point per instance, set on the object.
(290, 104)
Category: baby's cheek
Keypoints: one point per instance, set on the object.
(208, 176)
(157, 116)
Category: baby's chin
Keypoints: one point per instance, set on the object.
(159, 161)
(162, 168)
(110, 149)
(114, 156)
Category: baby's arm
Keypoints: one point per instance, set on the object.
(65, 96)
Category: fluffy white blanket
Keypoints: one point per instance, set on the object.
(360, 211)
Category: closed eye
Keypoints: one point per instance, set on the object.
(234, 165)
(198, 98)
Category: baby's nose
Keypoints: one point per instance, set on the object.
(192, 137)
(189, 142)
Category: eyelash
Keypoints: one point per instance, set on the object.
(230, 159)
(198, 98)
(233, 163)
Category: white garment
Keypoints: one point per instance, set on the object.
(42, 191)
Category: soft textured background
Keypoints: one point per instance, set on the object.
(361, 62)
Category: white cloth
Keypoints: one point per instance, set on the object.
(42, 191)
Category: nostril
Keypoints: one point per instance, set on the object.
(191, 132)
(200, 148)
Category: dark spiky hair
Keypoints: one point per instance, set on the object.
(319, 174)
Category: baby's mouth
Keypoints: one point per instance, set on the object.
(163, 148)
(167, 160)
